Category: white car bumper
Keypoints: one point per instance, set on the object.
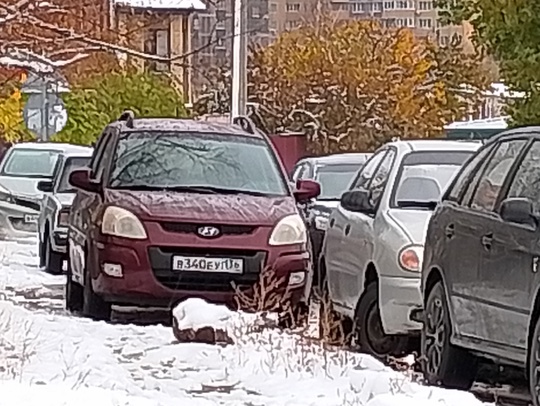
(17, 221)
(398, 297)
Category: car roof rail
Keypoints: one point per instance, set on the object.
(246, 124)
(128, 116)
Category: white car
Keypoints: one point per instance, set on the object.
(371, 256)
(55, 206)
(24, 165)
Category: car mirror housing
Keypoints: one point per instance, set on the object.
(80, 179)
(357, 200)
(45, 186)
(518, 210)
(306, 190)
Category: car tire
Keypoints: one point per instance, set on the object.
(93, 305)
(368, 329)
(74, 293)
(534, 365)
(442, 362)
(52, 261)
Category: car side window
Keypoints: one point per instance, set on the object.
(464, 176)
(526, 182)
(494, 173)
(366, 173)
(380, 178)
(106, 154)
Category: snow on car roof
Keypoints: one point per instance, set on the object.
(58, 146)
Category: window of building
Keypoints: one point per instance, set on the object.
(377, 6)
(255, 12)
(293, 7)
(273, 7)
(357, 7)
(292, 24)
(389, 5)
(404, 4)
(425, 5)
(425, 23)
(157, 43)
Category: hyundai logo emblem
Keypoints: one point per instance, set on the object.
(208, 231)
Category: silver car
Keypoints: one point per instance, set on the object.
(371, 256)
(21, 169)
(55, 206)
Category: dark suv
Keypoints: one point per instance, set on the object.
(480, 277)
(174, 208)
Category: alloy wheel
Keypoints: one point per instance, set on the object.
(435, 337)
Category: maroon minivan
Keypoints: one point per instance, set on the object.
(171, 208)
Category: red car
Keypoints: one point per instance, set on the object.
(171, 208)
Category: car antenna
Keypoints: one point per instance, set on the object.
(245, 123)
(128, 116)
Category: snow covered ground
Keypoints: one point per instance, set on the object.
(49, 357)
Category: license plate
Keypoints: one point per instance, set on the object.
(30, 218)
(204, 264)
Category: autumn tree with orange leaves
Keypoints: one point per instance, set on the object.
(362, 84)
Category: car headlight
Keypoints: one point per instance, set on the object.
(289, 230)
(321, 223)
(120, 222)
(63, 217)
(410, 258)
(5, 195)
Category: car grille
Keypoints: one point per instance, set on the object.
(161, 261)
(27, 203)
(191, 228)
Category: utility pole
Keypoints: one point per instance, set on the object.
(239, 60)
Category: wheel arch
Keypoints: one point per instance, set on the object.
(535, 315)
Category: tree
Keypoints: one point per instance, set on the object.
(363, 83)
(510, 32)
(101, 99)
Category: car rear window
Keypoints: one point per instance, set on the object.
(30, 163)
(335, 179)
(174, 160)
(424, 176)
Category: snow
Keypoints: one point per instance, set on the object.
(163, 4)
(24, 58)
(197, 313)
(50, 357)
(488, 123)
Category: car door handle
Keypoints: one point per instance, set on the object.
(449, 231)
(331, 224)
(487, 240)
(347, 229)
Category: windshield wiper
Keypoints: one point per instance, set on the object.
(191, 189)
(413, 204)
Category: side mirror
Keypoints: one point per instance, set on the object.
(80, 178)
(518, 210)
(45, 186)
(357, 200)
(306, 190)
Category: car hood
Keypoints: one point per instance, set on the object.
(192, 207)
(65, 199)
(21, 186)
(412, 222)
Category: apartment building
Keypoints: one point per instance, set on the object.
(418, 15)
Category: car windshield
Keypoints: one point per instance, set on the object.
(424, 176)
(30, 163)
(201, 162)
(335, 179)
(70, 165)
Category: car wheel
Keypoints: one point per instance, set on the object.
(443, 363)
(534, 366)
(369, 332)
(74, 293)
(52, 260)
(93, 305)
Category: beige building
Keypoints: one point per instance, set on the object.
(418, 15)
(159, 28)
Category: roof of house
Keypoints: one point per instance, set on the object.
(195, 5)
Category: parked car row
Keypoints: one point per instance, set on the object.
(441, 240)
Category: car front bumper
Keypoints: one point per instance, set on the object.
(398, 297)
(145, 278)
(15, 221)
